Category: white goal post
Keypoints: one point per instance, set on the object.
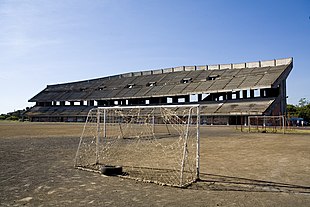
(157, 144)
(266, 124)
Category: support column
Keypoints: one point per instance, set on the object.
(283, 97)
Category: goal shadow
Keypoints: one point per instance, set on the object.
(213, 182)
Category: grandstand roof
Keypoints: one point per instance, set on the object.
(175, 81)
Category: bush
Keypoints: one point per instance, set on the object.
(12, 118)
(2, 117)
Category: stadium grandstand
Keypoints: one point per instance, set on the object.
(227, 93)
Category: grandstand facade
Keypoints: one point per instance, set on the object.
(228, 93)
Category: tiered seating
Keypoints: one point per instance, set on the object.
(59, 111)
(167, 84)
(251, 106)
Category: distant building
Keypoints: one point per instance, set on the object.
(228, 93)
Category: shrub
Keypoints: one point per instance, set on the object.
(2, 117)
(12, 118)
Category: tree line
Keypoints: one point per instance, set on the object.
(301, 110)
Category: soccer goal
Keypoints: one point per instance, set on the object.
(157, 144)
(266, 124)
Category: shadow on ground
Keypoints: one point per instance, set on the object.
(226, 183)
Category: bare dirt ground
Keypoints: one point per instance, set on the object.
(237, 169)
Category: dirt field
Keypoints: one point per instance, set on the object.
(237, 169)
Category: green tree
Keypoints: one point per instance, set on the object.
(303, 102)
(301, 110)
(291, 110)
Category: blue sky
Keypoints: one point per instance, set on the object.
(46, 42)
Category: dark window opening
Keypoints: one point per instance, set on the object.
(131, 85)
(186, 80)
(213, 77)
(151, 84)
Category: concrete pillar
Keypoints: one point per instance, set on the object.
(283, 97)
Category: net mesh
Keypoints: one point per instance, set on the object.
(155, 144)
(266, 124)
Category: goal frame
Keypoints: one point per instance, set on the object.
(190, 107)
(264, 126)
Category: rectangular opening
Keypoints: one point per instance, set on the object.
(131, 85)
(151, 84)
(256, 93)
(193, 98)
(169, 100)
(186, 80)
(213, 77)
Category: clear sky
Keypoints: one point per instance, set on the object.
(46, 42)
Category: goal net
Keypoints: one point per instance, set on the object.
(157, 144)
(266, 124)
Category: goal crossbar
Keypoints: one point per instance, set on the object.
(153, 143)
(265, 123)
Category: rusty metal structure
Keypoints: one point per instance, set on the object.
(227, 93)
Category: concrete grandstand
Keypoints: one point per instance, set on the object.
(228, 93)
